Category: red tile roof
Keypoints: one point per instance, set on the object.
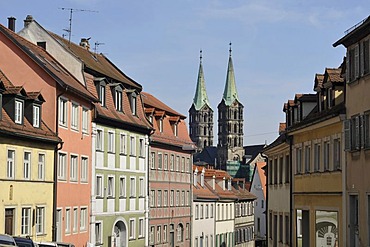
(261, 173)
(49, 64)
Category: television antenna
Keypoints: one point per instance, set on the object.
(97, 43)
(71, 10)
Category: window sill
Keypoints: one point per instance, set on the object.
(122, 197)
(99, 197)
(110, 197)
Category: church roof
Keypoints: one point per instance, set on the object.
(230, 92)
(201, 98)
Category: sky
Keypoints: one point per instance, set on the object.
(277, 46)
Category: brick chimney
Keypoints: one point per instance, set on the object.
(28, 20)
(11, 23)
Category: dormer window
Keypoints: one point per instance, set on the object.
(36, 116)
(175, 129)
(133, 103)
(102, 94)
(18, 117)
(118, 99)
(160, 123)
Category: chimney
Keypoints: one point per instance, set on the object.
(11, 23)
(85, 43)
(223, 183)
(214, 182)
(202, 177)
(229, 184)
(28, 20)
(196, 177)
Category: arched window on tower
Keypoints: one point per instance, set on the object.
(235, 142)
(205, 118)
(205, 131)
(205, 143)
(235, 128)
(236, 114)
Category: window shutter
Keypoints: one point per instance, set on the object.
(347, 67)
(357, 133)
(347, 135)
(366, 130)
(362, 131)
(361, 60)
(357, 62)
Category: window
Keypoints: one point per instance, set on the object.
(98, 233)
(141, 228)
(152, 198)
(133, 103)
(110, 186)
(365, 58)
(287, 169)
(159, 198)
(41, 167)
(317, 154)
(307, 158)
(36, 116)
(132, 229)
(182, 198)
(102, 94)
(201, 211)
(27, 165)
(299, 160)
(83, 218)
(99, 186)
(182, 164)
(73, 168)
(111, 142)
(118, 100)
(187, 230)
(187, 165)
(75, 219)
(141, 187)
(337, 153)
(355, 133)
(287, 229)
(187, 198)
(99, 140)
(180, 233)
(40, 220)
(159, 232)
(177, 198)
(177, 163)
(196, 211)
(74, 116)
(63, 112)
(172, 160)
(132, 146)
(165, 162)
(165, 198)
(211, 211)
(171, 197)
(326, 155)
(122, 187)
(62, 166)
(160, 161)
(152, 160)
(10, 164)
(18, 117)
(281, 228)
(141, 148)
(151, 237)
(132, 187)
(68, 220)
(26, 221)
(85, 120)
(123, 144)
(160, 125)
(84, 169)
(164, 233)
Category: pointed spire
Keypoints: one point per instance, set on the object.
(201, 98)
(230, 92)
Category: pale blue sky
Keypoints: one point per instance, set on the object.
(278, 46)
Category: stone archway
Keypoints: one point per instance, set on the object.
(119, 235)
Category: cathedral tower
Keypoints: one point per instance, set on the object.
(201, 114)
(230, 149)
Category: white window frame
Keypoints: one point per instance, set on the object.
(67, 220)
(111, 141)
(141, 228)
(132, 187)
(18, 112)
(73, 167)
(63, 111)
(102, 90)
(132, 146)
(26, 221)
(141, 148)
(83, 218)
(159, 198)
(98, 233)
(84, 169)
(122, 186)
(152, 198)
(165, 198)
(36, 116)
(27, 165)
(141, 187)
(75, 219)
(118, 100)
(123, 144)
(152, 160)
(10, 173)
(159, 234)
(160, 161)
(132, 228)
(99, 185)
(40, 220)
(62, 164)
(85, 120)
(110, 186)
(100, 140)
(74, 115)
(165, 162)
(41, 166)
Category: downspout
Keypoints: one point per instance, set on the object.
(265, 157)
(55, 183)
(290, 141)
(147, 143)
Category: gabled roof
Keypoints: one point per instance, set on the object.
(319, 78)
(305, 98)
(333, 76)
(261, 174)
(153, 102)
(98, 63)
(355, 33)
(48, 64)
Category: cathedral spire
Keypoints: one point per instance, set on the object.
(230, 92)
(201, 98)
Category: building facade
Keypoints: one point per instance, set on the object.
(169, 175)
(356, 132)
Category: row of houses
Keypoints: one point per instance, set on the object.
(318, 191)
(93, 160)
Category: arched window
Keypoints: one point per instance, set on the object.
(235, 141)
(235, 114)
(235, 128)
(205, 143)
(180, 233)
(205, 131)
(205, 118)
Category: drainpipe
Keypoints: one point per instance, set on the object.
(55, 183)
(290, 141)
(146, 164)
(265, 157)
